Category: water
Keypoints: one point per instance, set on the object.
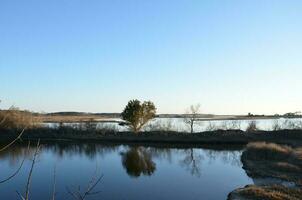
(178, 124)
(129, 172)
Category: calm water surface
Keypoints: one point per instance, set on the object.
(129, 172)
(178, 124)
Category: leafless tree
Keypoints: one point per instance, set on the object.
(192, 115)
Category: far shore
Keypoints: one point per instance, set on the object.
(115, 118)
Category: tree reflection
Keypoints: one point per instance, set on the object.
(137, 161)
(15, 154)
(227, 157)
(60, 149)
(192, 162)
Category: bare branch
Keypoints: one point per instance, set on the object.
(31, 171)
(12, 142)
(94, 181)
(27, 189)
(54, 183)
(17, 171)
(20, 195)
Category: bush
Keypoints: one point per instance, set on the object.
(252, 126)
(160, 126)
(137, 114)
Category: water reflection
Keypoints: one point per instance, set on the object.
(138, 161)
(192, 161)
(201, 170)
(228, 157)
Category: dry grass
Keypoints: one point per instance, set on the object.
(275, 192)
(268, 151)
(17, 119)
(272, 160)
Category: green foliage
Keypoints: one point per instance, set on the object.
(137, 114)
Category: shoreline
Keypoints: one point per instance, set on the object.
(219, 137)
(278, 168)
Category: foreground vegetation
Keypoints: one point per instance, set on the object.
(273, 192)
(282, 164)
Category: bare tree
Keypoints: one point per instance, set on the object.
(192, 115)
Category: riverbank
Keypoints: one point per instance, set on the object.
(289, 137)
(281, 165)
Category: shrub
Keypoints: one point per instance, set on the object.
(137, 114)
(276, 125)
(161, 126)
(252, 126)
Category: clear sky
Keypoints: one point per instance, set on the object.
(231, 56)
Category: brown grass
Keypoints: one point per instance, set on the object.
(17, 119)
(275, 192)
(264, 151)
(272, 160)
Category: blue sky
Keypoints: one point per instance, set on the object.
(232, 57)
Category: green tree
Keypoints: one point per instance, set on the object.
(137, 114)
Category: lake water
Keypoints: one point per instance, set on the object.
(178, 124)
(129, 172)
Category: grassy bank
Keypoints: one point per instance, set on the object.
(274, 161)
(278, 162)
(274, 192)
